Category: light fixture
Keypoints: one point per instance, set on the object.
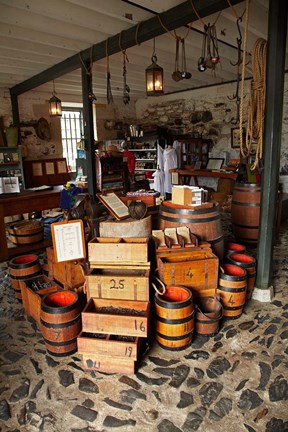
(55, 108)
(154, 77)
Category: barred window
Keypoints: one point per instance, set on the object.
(72, 130)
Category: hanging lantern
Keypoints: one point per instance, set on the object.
(55, 108)
(154, 77)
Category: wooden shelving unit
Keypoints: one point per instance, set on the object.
(12, 164)
(114, 174)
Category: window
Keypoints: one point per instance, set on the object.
(72, 130)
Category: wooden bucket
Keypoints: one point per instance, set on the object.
(22, 268)
(249, 264)
(204, 221)
(245, 212)
(232, 289)
(174, 318)
(60, 322)
(232, 247)
(26, 232)
(209, 311)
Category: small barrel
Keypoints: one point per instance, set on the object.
(249, 264)
(22, 268)
(26, 232)
(232, 289)
(245, 212)
(204, 221)
(208, 312)
(232, 247)
(60, 322)
(174, 318)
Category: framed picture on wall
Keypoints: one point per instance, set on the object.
(235, 137)
(214, 163)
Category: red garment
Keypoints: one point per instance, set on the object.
(131, 160)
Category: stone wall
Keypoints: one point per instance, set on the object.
(208, 111)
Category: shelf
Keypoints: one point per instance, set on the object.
(145, 169)
(146, 150)
(144, 160)
(111, 179)
(7, 164)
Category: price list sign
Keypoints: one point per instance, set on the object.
(68, 240)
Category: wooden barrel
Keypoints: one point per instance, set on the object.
(232, 289)
(208, 312)
(232, 247)
(60, 322)
(22, 268)
(204, 221)
(26, 232)
(174, 318)
(249, 264)
(245, 212)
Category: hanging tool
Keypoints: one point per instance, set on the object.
(126, 88)
(238, 64)
(184, 73)
(176, 75)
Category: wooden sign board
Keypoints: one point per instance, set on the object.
(68, 240)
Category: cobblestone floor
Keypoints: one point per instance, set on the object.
(232, 382)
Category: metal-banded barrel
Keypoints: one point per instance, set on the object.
(245, 212)
(22, 268)
(204, 221)
(232, 289)
(249, 264)
(174, 322)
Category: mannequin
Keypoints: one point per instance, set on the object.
(169, 162)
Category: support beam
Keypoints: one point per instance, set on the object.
(15, 109)
(277, 32)
(172, 19)
(88, 131)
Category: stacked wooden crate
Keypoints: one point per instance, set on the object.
(182, 261)
(117, 316)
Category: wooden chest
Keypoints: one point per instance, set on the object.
(125, 284)
(196, 271)
(116, 317)
(68, 273)
(32, 291)
(119, 251)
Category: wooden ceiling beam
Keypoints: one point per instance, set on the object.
(172, 19)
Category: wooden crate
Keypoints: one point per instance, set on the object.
(116, 317)
(31, 294)
(111, 250)
(68, 273)
(189, 269)
(125, 284)
(108, 345)
(108, 364)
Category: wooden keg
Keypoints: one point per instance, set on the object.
(245, 212)
(60, 322)
(174, 322)
(249, 264)
(26, 232)
(208, 312)
(204, 221)
(22, 268)
(232, 289)
(232, 247)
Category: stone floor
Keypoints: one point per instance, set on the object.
(232, 382)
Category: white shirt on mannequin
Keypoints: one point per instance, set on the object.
(169, 162)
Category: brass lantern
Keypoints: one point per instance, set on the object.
(154, 77)
(55, 108)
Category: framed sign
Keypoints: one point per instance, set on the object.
(214, 163)
(68, 240)
(235, 137)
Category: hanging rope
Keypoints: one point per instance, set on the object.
(109, 91)
(242, 83)
(198, 16)
(256, 104)
(238, 17)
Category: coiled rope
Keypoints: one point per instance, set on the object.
(256, 104)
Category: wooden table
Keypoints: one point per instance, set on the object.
(185, 175)
(25, 202)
